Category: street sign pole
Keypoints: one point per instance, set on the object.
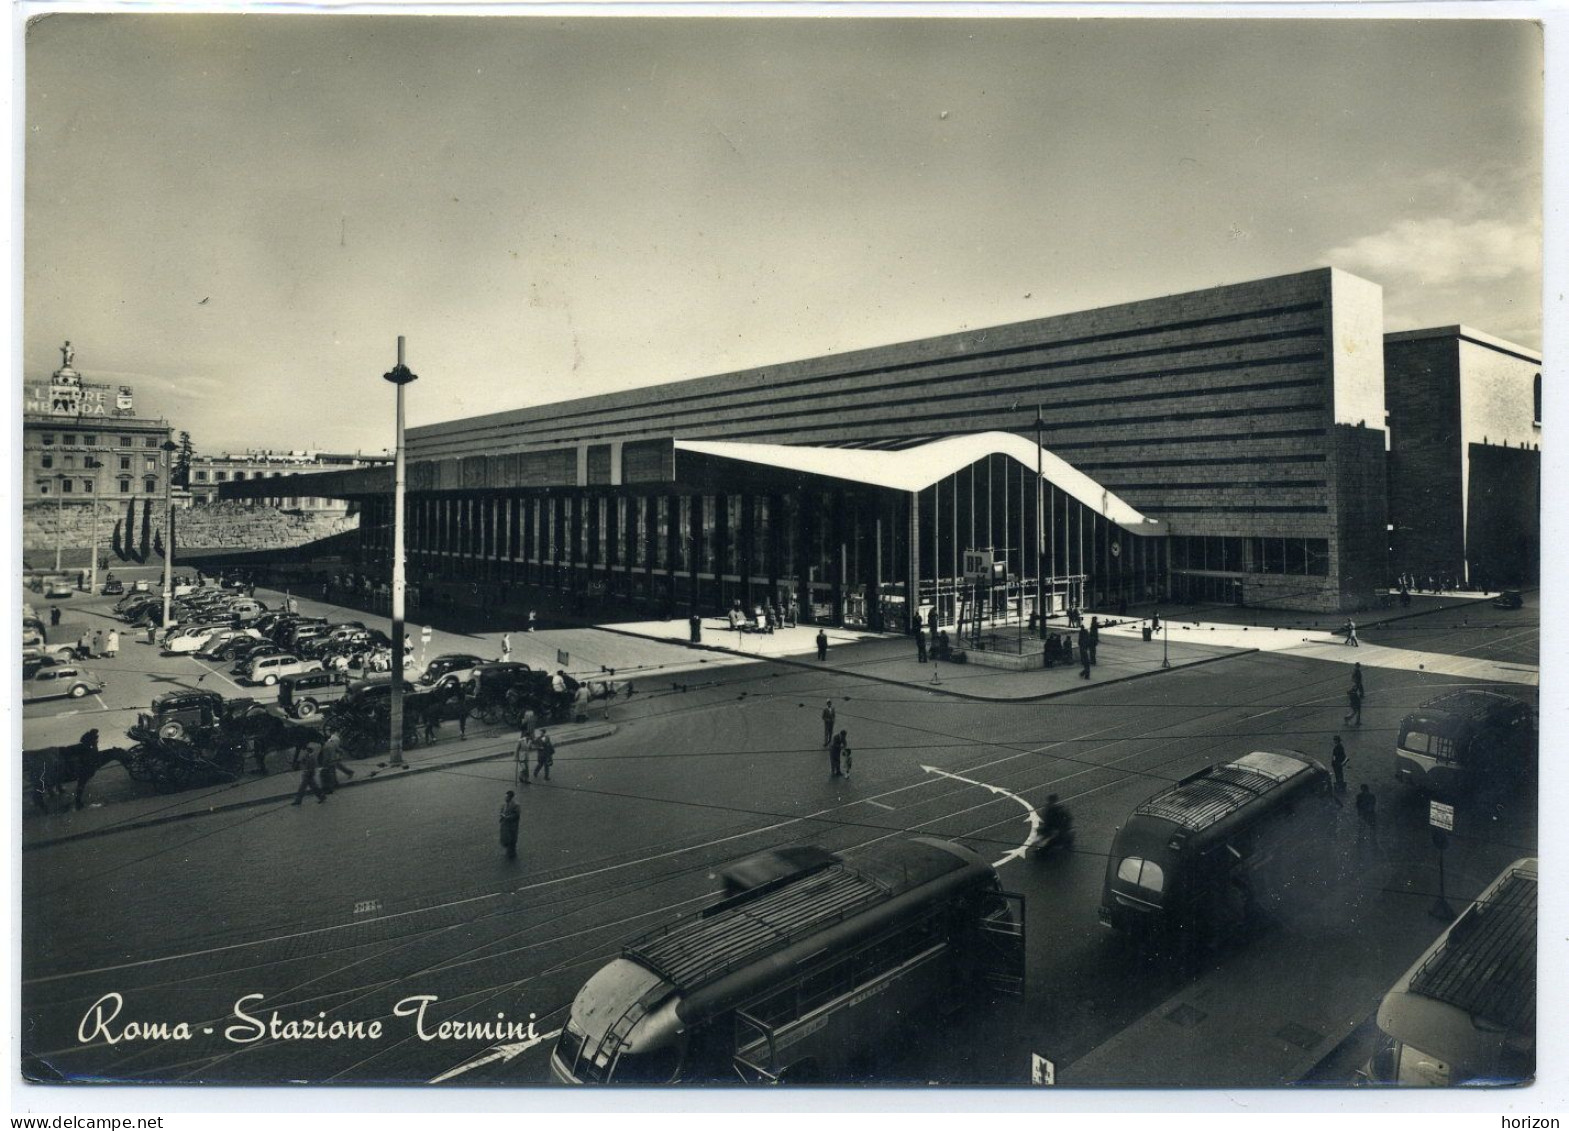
(1442, 819)
(400, 376)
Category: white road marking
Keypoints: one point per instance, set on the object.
(880, 805)
(502, 1053)
(1033, 817)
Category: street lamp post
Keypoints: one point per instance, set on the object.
(400, 376)
(59, 522)
(169, 448)
(92, 548)
(1040, 525)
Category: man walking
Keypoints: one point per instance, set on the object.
(1354, 698)
(1337, 762)
(1094, 638)
(544, 756)
(920, 645)
(1351, 634)
(332, 762)
(1084, 652)
(835, 750)
(1356, 678)
(822, 644)
(309, 760)
(828, 721)
(511, 818)
(844, 752)
(506, 647)
(112, 643)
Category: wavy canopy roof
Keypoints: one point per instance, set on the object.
(913, 469)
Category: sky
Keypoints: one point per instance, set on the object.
(239, 214)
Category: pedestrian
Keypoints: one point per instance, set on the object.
(835, 752)
(828, 721)
(309, 761)
(511, 817)
(544, 756)
(520, 755)
(332, 762)
(1085, 659)
(533, 619)
(920, 645)
(844, 751)
(694, 625)
(506, 647)
(822, 644)
(112, 643)
(463, 722)
(1094, 638)
(84, 645)
(432, 725)
(1337, 762)
(1354, 698)
(1356, 678)
(1155, 622)
(931, 622)
(1351, 634)
(54, 616)
(98, 642)
(152, 634)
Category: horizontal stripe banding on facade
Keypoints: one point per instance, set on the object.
(1147, 464)
(1261, 509)
(1221, 485)
(464, 433)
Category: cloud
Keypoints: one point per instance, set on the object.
(1439, 251)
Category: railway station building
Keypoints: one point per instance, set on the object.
(1226, 445)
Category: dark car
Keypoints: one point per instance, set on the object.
(1509, 599)
(113, 587)
(244, 654)
(228, 644)
(301, 696)
(449, 664)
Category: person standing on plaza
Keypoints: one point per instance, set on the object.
(112, 643)
(835, 750)
(309, 760)
(1094, 639)
(1337, 763)
(822, 644)
(533, 620)
(463, 720)
(694, 625)
(506, 647)
(520, 754)
(544, 756)
(54, 616)
(1354, 698)
(844, 751)
(828, 721)
(1356, 678)
(511, 818)
(1084, 652)
(920, 644)
(85, 645)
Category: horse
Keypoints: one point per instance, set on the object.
(266, 733)
(46, 772)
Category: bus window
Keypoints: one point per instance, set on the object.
(1143, 873)
(1439, 746)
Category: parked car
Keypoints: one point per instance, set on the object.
(224, 644)
(57, 588)
(268, 670)
(140, 586)
(1509, 599)
(244, 653)
(56, 680)
(188, 639)
(303, 695)
(450, 667)
(112, 587)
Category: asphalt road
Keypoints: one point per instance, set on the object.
(346, 908)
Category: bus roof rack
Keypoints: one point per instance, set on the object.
(1487, 966)
(1197, 802)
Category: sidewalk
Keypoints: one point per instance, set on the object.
(147, 809)
(892, 659)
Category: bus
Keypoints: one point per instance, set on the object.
(802, 978)
(1212, 852)
(1465, 1013)
(1466, 742)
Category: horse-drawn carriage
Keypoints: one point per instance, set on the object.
(194, 734)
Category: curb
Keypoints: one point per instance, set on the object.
(936, 689)
(251, 803)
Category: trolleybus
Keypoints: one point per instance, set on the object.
(1208, 854)
(801, 978)
(1465, 1013)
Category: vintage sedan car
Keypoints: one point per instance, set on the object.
(450, 667)
(57, 588)
(268, 670)
(225, 643)
(54, 681)
(113, 587)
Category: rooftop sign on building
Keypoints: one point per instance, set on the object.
(66, 394)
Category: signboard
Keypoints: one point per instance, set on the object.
(67, 395)
(424, 634)
(562, 658)
(1042, 1071)
(1441, 816)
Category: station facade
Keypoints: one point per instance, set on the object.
(1224, 445)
